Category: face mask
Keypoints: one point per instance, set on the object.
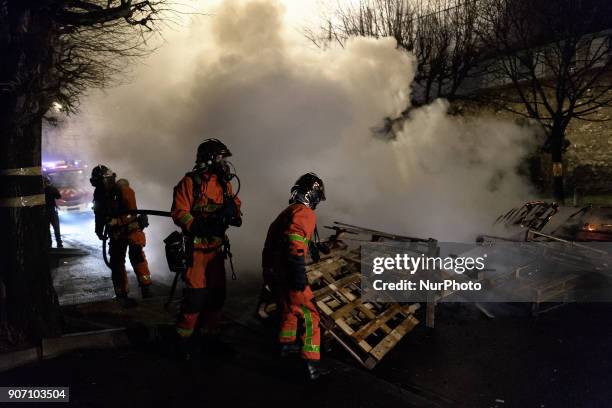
(310, 199)
(220, 166)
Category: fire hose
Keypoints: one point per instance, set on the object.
(104, 254)
(129, 212)
(105, 233)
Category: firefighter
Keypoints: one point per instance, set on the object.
(52, 194)
(112, 200)
(283, 260)
(204, 206)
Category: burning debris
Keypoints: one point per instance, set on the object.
(549, 220)
(531, 264)
(566, 248)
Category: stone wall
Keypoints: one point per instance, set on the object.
(588, 160)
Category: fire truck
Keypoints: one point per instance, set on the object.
(72, 180)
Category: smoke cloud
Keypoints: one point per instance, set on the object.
(244, 76)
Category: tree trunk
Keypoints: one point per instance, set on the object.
(558, 191)
(31, 303)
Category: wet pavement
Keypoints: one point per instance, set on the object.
(81, 279)
(88, 279)
(563, 358)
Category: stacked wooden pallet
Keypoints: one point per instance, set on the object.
(367, 330)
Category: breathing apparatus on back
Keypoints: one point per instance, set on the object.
(211, 158)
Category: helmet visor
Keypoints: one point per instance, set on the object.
(320, 189)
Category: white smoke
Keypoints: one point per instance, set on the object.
(283, 109)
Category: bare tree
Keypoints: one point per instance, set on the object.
(556, 59)
(51, 51)
(440, 33)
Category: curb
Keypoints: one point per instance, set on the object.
(55, 347)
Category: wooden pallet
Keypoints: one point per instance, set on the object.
(367, 330)
(547, 293)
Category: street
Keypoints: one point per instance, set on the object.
(559, 359)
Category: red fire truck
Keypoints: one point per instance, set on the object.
(72, 180)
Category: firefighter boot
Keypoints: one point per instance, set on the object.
(289, 349)
(313, 370)
(125, 301)
(184, 348)
(145, 290)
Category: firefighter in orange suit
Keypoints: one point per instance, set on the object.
(283, 261)
(112, 201)
(204, 206)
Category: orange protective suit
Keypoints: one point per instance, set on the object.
(125, 235)
(204, 279)
(284, 260)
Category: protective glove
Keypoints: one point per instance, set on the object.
(143, 221)
(231, 214)
(100, 232)
(235, 221)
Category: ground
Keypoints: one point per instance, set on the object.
(560, 359)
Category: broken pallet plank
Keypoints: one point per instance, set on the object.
(377, 323)
(394, 337)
